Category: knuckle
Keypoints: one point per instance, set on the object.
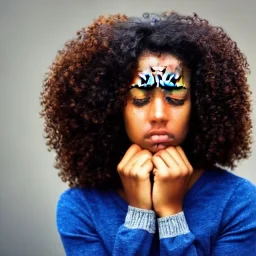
(146, 152)
(136, 147)
(183, 174)
(154, 157)
(176, 172)
(126, 170)
(179, 148)
(160, 153)
(183, 171)
(176, 175)
(163, 151)
(134, 174)
(163, 175)
(170, 149)
(189, 171)
(119, 168)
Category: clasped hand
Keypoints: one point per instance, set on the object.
(171, 171)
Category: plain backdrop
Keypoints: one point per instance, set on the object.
(31, 34)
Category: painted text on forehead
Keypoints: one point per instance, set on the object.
(160, 77)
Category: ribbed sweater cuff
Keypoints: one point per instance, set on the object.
(137, 218)
(172, 226)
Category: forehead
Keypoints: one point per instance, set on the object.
(164, 60)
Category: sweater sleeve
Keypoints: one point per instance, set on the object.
(175, 236)
(237, 235)
(136, 235)
(79, 236)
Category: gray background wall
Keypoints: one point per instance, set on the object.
(31, 32)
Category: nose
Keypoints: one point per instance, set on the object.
(158, 109)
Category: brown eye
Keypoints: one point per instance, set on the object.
(140, 102)
(175, 102)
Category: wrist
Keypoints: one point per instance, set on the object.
(140, 206)
(168, 211)
(134, 203)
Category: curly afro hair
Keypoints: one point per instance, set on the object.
(85, 91)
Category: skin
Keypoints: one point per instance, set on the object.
(156, 128)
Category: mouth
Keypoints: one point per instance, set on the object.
(159, 139)
(159, 136)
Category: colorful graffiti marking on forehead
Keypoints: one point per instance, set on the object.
(159, 77)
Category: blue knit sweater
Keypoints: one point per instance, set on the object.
(218, 218)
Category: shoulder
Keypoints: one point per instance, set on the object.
(73, 199)
(233, 199)
(82, 199)
(229, 181)
(74, 196)
(86, 196)
(240, 200)
(226, 191)
(72, 209)
(88, 202)
(75, 209)
(243, 194)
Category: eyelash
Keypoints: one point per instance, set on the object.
(140, 102)
(175, 102)
(145, 101)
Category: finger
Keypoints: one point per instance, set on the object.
(139, 159)
(134, 164)
(176, 156)
(184, 157)
(159, 163)
(134, 149)
(146, 168)
(168, 159)
(161, 171)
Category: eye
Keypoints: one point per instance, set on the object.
(140, 102)
(174, 102)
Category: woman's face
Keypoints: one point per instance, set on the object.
(158, 106)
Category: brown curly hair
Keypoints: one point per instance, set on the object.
(85, 91)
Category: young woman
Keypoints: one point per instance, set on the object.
(142, 112)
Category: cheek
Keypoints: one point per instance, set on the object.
(181, 119)
(134, 120)
(129, 119)
(133, 115)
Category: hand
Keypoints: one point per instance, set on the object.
(172, 172)
(134, 170)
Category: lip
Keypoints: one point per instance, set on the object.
(159, 132)
(159, 136)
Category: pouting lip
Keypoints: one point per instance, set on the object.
(159, 132)
(164, 137)
(160, 141)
